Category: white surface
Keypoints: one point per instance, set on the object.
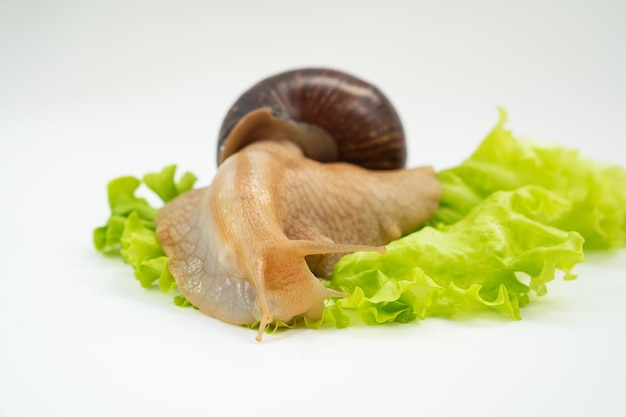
(91, 90)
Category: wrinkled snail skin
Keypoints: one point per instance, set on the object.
(249, 247)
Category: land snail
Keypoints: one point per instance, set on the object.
(310, 168)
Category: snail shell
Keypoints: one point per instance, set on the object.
(333, 116)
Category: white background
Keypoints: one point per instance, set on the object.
(92, 90)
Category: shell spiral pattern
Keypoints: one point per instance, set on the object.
(358, 116)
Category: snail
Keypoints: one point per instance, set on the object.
(310, 167)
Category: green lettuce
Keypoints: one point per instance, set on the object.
(513, 216)
(597, 191)
(130, 230)
(494, 257)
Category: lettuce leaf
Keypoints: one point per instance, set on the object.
(597, 191)
(122, 202)
(513, 216)
(165, 187)
(130, 231)
(477, 262)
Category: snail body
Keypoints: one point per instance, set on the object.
(250, 246)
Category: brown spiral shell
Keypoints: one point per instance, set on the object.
(365, 127)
